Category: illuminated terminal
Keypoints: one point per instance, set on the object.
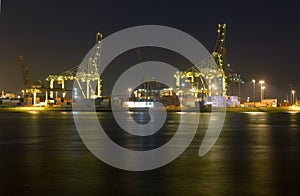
(210, 82)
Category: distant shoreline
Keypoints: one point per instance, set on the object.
(236, 109)
(264, 109)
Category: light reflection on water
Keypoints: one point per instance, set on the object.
(33, 112)
(256, 153)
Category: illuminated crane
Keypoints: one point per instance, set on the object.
(210, 77)
(220, 56)
(83, 75)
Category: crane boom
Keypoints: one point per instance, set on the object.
(24, 70)
(139, 57)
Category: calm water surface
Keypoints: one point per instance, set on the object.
(41, 153)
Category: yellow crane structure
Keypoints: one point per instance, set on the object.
(220, 55)
(203, 77)
(82, 77)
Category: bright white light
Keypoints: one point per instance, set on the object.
(213, 86)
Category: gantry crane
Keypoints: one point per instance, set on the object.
(213, 73)
(24, 71)
(220, 56)
(26, 80)
(31, 87)
(83, 75)
(149, 89)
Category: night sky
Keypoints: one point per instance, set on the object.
(53, 36)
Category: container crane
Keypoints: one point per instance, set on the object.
(83, 75)
(220, 56)
(24, 71)
(28, 84)
(31, 87)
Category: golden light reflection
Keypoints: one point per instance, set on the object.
(33, 112)
(28, 108)
(254, 113)
(181, 112)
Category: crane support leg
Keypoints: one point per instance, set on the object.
(81, 89)
(34, 98)
(63, 84)
(87, 89)
(99, 88)
(209, 87)
(46, 100)
(51, 88)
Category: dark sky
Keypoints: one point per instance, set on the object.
(53, 36)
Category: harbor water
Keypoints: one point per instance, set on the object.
(257, 153)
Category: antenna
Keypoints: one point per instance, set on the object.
(139, 56)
